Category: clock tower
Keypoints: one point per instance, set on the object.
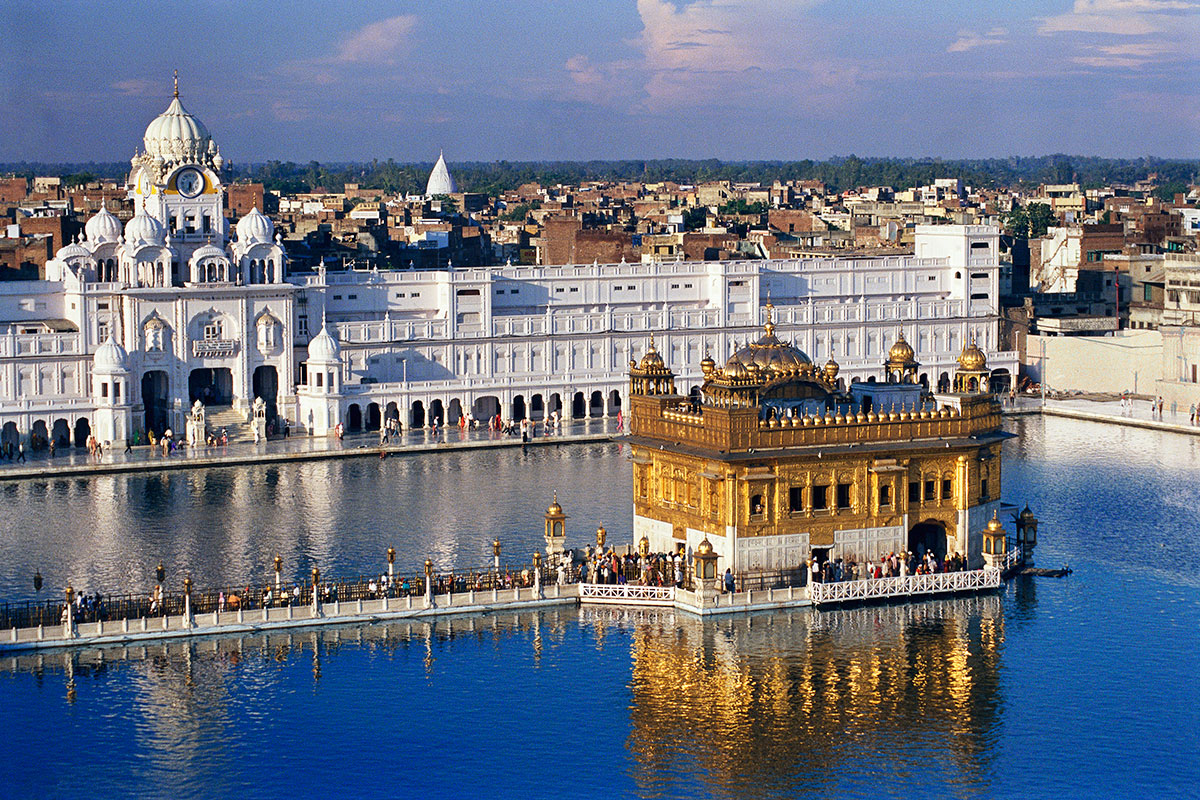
(176, 180)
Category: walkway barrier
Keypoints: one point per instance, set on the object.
(626, 594)
(905, 586)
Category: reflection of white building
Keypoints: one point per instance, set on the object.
(195, 313)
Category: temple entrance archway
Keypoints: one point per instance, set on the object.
(614, 402)
(1000, 380)
(266, 386)
(596, 407)
(518, 408)
(437, 413)
(354, 418)
(555, 406)
(485, 407)
(39, 436)
(537, 407)
(61, 433)
(374, 417)
(9, 434)
(83, 429)
(212, 386)
(926, 536)
(155, 385)
(454, 412)
(416, 416)
(578, 406)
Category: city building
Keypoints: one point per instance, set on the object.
(200, 310)
(775, 461)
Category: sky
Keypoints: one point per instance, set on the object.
(528, 80)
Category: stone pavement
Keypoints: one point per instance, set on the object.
(1139, 416)
(75, 461)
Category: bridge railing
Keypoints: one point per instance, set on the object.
(626, 594)
(905, 585)
(160, 602)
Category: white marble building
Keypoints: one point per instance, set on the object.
(135, 323)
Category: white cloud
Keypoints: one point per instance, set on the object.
(380, 42)
(969, 40)
(1128, 34)
(141, 87)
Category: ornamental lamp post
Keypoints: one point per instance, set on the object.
(37, 581)
(187, 601)
(601, 537)
(537, 572)
(428, 582)
(69, 623)
(496, 555)
(278, 567)
(159, 572)
(316, 596)
(391, 555)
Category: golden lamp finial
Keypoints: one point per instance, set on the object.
(177, 83)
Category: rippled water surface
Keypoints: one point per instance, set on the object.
(1088, 686)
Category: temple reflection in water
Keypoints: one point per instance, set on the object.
(772, 703)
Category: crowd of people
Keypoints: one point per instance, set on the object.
(892, 565)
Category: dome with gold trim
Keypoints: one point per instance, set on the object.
(972, 358)
(901, 352)
(554, 508)
(768, 355)
(994, 525)
(651, 360)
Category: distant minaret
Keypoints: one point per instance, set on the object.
(440, 180)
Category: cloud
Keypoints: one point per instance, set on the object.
(380, 42)
(969, 40)
(1127, 34)
(140, 87)
(1119, 17)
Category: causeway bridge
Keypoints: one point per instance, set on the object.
(163, 616)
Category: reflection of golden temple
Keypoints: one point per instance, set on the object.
(798, 695)
(775, 461)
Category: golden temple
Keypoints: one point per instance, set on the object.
(776, 461)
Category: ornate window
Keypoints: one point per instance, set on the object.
(212, 330)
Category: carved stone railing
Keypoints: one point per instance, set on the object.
(629, 594)
(905, 586)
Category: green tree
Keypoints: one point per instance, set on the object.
(1041, 217)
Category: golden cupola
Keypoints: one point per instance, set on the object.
(972, 357)
(651, 375)
(972, 374)
(901, 365)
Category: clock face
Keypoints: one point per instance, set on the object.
(189, 183)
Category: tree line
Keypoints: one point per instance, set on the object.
(838, 174)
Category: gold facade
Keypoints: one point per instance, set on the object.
(730, 464)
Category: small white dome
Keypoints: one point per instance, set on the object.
(440, 180)
(209, 250)
(103, 227)
(175, 135)
(110, 358)
(144, 229)
(324, 349)
(72, 250)
(255, 228)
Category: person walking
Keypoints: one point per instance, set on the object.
(21, 452)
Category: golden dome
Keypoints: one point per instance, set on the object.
(554, 508)
(1027, 515)
(767, 355)
(704, 548)
(707, 366)
(831, 370)
(994, 525)
(901, 352)
(652, 360)
(972, 358)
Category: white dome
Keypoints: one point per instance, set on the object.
(440, 180)
(209, 250)
(72, 250)
(144, 229)
(110, 358)
(103, 227)
(175, 135)
(255, 228)
(324, 349)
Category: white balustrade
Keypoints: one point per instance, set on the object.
(905, 585)
(626, 594)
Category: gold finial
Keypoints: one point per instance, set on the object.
(177, 83)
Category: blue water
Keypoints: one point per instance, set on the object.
(1081, 687)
